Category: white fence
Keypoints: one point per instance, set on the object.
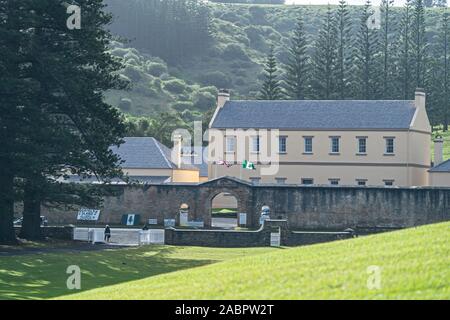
(120, 236)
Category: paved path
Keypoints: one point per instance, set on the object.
(227, 223)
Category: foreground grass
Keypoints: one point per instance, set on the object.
(414, 265)
(38, 276)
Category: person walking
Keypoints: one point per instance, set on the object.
(107, 233)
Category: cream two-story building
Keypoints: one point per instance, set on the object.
(342, 142)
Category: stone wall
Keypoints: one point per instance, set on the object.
(61, 233)
(258, 238)
(305, 207)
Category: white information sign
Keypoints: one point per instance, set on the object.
(242, 218)
(88, 214)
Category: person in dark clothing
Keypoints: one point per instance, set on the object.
(107, 233)
(145, 227)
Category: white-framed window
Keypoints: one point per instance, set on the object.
(308, 141)
(335, 144)
(307, 181)
(390, 145)
(282, 146)
(362, 145)
(231, 144)
(334, 182)
(361, 182)
(388, 183)
(255, 144)
(280, 180)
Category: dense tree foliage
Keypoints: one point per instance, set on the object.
(241, 37)
(297, 68)
(54, 121)
(271, 87)
(170, 29)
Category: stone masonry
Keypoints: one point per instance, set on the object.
(304, 207)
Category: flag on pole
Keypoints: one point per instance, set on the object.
(224, 163)
(248, 165)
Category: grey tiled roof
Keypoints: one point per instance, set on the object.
(442, 167)
(316, 114)
(144, 153)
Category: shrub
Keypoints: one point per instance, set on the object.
(133, 73)
(156, 69)
(183, 105)
(211, 89)
(176, 86)
(125, 104)
(234, 51)
(204, 100)
(119, 52)
(215, 78)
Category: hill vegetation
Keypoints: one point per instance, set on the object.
(412, 264)
(238, 37)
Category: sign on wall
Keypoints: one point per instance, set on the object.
(184, 216)
(169, 223)
(88, 214)
(242, 219)
(131, 219)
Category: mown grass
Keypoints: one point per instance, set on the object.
(413, 264)
(39, 276)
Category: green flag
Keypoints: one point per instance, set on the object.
(248, 165)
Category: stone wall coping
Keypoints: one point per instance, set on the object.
(322, 232)
(216, 231)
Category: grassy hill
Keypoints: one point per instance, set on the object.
(242, 36)
(414, 265)
(43, 275)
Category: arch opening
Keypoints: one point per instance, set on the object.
(224, 211)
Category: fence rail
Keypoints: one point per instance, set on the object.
(120, 236)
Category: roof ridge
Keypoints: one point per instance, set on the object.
(157, 143)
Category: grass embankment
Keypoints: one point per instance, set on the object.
(414, 264)
(39, 276)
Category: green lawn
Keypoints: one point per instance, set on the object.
(414, 265)
(38, 276)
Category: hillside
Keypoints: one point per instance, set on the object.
(241, 37)
(414, 265)
(154, 88)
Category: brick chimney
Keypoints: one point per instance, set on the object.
(438, 150)
(222, 98)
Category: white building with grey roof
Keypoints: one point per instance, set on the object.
(342, 142)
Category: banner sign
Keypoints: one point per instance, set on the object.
(131, 219)
(88, 214)
(242, 218)
(169, 222)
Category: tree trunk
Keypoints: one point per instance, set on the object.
(7, 233)
(31, 224)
